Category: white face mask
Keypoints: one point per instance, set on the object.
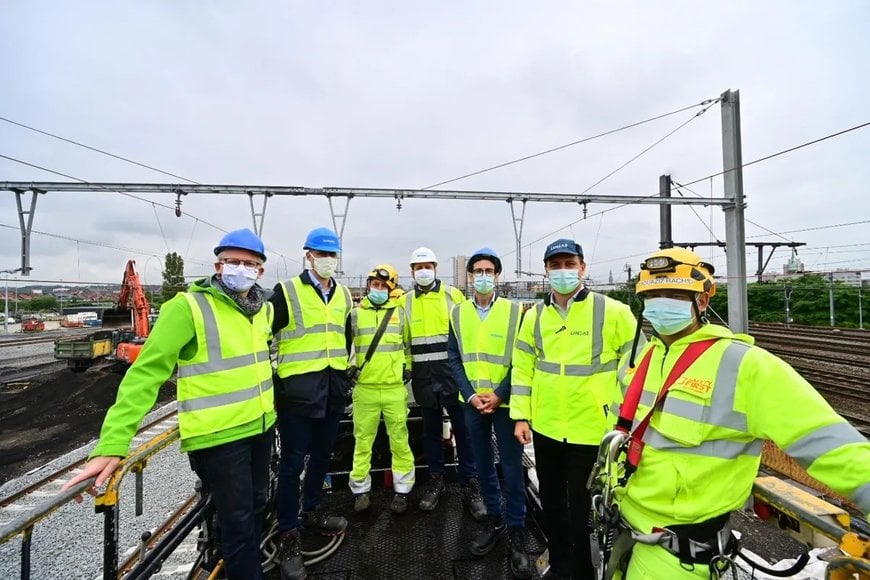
(424, 277)
(238, 278)
(325, 267)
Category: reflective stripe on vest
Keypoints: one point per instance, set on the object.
(486, 370)
(431, 347)
(229, 380)
(574, 370)
(317, 339)
(388, 360)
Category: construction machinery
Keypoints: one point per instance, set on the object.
(131, 308)
(125, 329)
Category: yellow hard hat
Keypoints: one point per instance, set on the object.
(397, 293)
(676, 269)
(385, 273)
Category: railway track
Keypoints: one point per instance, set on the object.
(22, 501)
(45, 336)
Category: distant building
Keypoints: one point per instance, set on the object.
(460, 278)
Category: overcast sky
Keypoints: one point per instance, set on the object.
(405, 95)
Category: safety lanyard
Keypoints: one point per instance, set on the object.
(629, 407)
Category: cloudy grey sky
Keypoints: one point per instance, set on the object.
(388, 94)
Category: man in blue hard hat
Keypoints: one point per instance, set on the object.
(217, 333)
(480, 346)
(311, 314)
(562, 383)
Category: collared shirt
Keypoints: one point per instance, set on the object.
(482, 311)
(316, 283)
(579, 296)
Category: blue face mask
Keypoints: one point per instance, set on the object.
(564, 281)
(378, 297)
(668, 316)
(484, 284)
(238, 278)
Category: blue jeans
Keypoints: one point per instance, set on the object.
(510, 453)
(237, 477)
(301, 436)
(434, 448)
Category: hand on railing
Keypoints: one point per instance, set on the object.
(101, 467)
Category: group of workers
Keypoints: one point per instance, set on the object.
(696, 399)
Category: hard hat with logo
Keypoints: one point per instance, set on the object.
(484, 254)
(385, 273)
(676, 269)
(322, 240)
(243, 239)
(422, 256)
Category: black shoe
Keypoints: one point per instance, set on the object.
(321, 523)
(473, 500)
(290, 556)
(485, 541)
(399, 505)
(430, 497)
(520, 564)
(361, 502)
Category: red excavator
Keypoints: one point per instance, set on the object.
(132, 305)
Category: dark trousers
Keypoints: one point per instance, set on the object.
(301, 436)
(510, 452)
(563, 470)
(236, 475)
(434, 448)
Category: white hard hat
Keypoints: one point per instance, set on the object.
(423, 255)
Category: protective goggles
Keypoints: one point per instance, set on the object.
(381, 274)
(668, 264)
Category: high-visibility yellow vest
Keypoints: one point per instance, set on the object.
(229, 381)
(314, 337)
(564, 370)
(703, 446)
(388, 360)
(486, 346)
(429, 319)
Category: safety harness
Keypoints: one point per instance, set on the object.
(711, 542)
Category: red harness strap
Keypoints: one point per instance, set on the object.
(629, 408)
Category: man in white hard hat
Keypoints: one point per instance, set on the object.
(427, 307)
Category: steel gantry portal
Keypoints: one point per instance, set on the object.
(731, 203)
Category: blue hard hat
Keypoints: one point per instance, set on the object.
(563, 246)
(243, 239)
(323, 240)
(484, 254)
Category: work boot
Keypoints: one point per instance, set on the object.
(361, 502)
(290, 556)
(399, 505)
(430, 497)
(520, 564)
(485, 541)
(473, 501)
(321, 523)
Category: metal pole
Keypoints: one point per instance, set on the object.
(860, 308)
(6, 308)
(787, 292)
(665, 234)
(735, 235)
(831, 295)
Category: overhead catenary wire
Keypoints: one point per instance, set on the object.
(754, 162)
(136, 197)
(571, 144)
(96, 150)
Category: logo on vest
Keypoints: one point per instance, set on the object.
(700, 386)
(579, 333)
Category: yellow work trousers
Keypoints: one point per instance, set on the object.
(369, 403)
